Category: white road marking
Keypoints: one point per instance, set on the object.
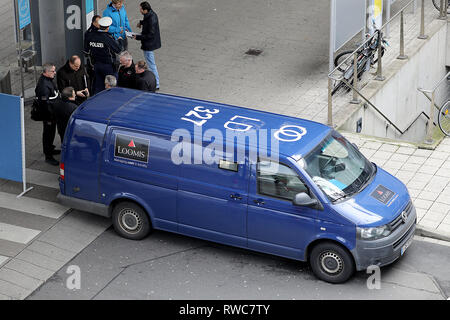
(17, 234)
(33, 206)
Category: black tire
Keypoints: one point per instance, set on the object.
(437, 5)
(131, 221)
(331, 263)
(340, 58)
(444, 118)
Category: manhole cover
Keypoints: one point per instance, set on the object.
(254, 52)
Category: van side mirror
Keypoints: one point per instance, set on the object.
(304, 200)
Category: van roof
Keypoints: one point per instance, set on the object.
(163, 114)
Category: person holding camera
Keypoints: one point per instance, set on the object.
(73, 74)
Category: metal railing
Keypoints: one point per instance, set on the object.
(379, 77)
(431, 124)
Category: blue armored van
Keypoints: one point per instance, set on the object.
(236, 176)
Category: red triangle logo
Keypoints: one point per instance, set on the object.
(380, 192)
(132, 145)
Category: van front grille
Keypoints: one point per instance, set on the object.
(397, 222)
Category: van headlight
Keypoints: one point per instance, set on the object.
(373, 233)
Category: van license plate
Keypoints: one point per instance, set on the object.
(405, 246)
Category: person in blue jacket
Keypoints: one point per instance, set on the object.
(116, 11)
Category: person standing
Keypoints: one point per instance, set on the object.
(120, 24)
(150, 37)
(127, 71)
(63, 109)
(73, 74)
(103, 49)
(89, 63)
(145, 79)
(46, 94)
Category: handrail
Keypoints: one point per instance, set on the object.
(383, 115)
(429, 138)
(436, 86)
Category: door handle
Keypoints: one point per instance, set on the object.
(259, 202)
(236, 197)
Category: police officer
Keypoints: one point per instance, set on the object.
(103, 49)
(46, 93)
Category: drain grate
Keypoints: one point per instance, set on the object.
(253, 52)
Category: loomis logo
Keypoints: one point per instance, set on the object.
(131, 148)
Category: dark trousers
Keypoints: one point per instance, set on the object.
(48, 136)
(101, 70)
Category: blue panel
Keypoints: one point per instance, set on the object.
(89, 6)
(10, 138)
(24, 13)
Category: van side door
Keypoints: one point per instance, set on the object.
(212, 201)
(275, 224)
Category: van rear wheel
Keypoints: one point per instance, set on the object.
(331, 262)
(131, 221)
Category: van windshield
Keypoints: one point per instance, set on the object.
(338, 167)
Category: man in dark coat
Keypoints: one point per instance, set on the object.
(63, 109)
(103, 49)
(145, 79)
(46, 93)
(150, 37)
(72, 74)
(127, 71)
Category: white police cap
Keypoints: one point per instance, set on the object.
(105, 22)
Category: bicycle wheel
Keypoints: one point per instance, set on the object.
(444, 118)
(340, 58)
(437, 5)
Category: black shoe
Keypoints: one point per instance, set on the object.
(56, 152)
(51, 161)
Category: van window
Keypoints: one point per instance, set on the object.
(279, 181)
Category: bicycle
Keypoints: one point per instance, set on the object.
(444, 118)
(367, 57)
(437, 5)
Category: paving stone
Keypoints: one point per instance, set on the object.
(29, 269)
(19, 279)
(13, 291)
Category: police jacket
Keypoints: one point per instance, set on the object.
(120, 20)
(146, 81)
(150, 37)
(127, 77)
(67, 77)
(102, 47)
(46, 93)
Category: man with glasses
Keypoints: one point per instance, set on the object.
(46, 94)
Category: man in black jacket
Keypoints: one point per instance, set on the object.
(150, 37)
(72, 74)
(145, 79)
(46, 94)
(127, 71)
(63, 109)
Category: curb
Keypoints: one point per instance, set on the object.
(430, 233)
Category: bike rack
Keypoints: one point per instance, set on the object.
(379, 76)
(429, 138)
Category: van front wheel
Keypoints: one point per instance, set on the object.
(131, 221)
(331, 263)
